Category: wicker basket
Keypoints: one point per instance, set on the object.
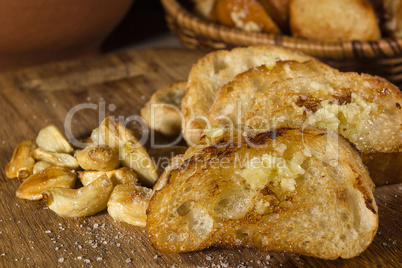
(383, 57)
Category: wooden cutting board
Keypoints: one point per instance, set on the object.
(121, 83)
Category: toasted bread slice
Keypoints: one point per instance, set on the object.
(218, 68)
(298, 191)
(364, 109)
(247, 15)
(162, 111)
(234, 98)
(329, 20)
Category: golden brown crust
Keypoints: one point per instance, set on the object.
(197, 204)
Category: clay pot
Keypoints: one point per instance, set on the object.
(39, 31)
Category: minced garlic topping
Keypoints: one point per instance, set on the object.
(260, 171)
(349, 119)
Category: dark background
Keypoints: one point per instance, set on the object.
(145, 19)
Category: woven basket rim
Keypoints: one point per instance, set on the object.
(383, 48)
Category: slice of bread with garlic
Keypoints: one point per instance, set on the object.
(215, 70)
(298, 191)
(364, 109)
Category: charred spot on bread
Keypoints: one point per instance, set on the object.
(309, 102)
(362, 189)
(262, 138)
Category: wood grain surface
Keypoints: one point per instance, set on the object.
(31, 235)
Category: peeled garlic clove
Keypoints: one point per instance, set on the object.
(81, 202)
(129, 204)
(22, 162)
(53, 176)
(98, 157)
(134, 156)
(122, 175)
(58, 159)
(51, 139)
(40, 165)
(114, 133)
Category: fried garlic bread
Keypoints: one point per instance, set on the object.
(299, 191)
(235, 97)
(215, 70)
(364, 109)
(162, 111)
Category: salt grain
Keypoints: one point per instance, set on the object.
(61, 260)
(48, 232)
(128, 260)
(99, 258)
